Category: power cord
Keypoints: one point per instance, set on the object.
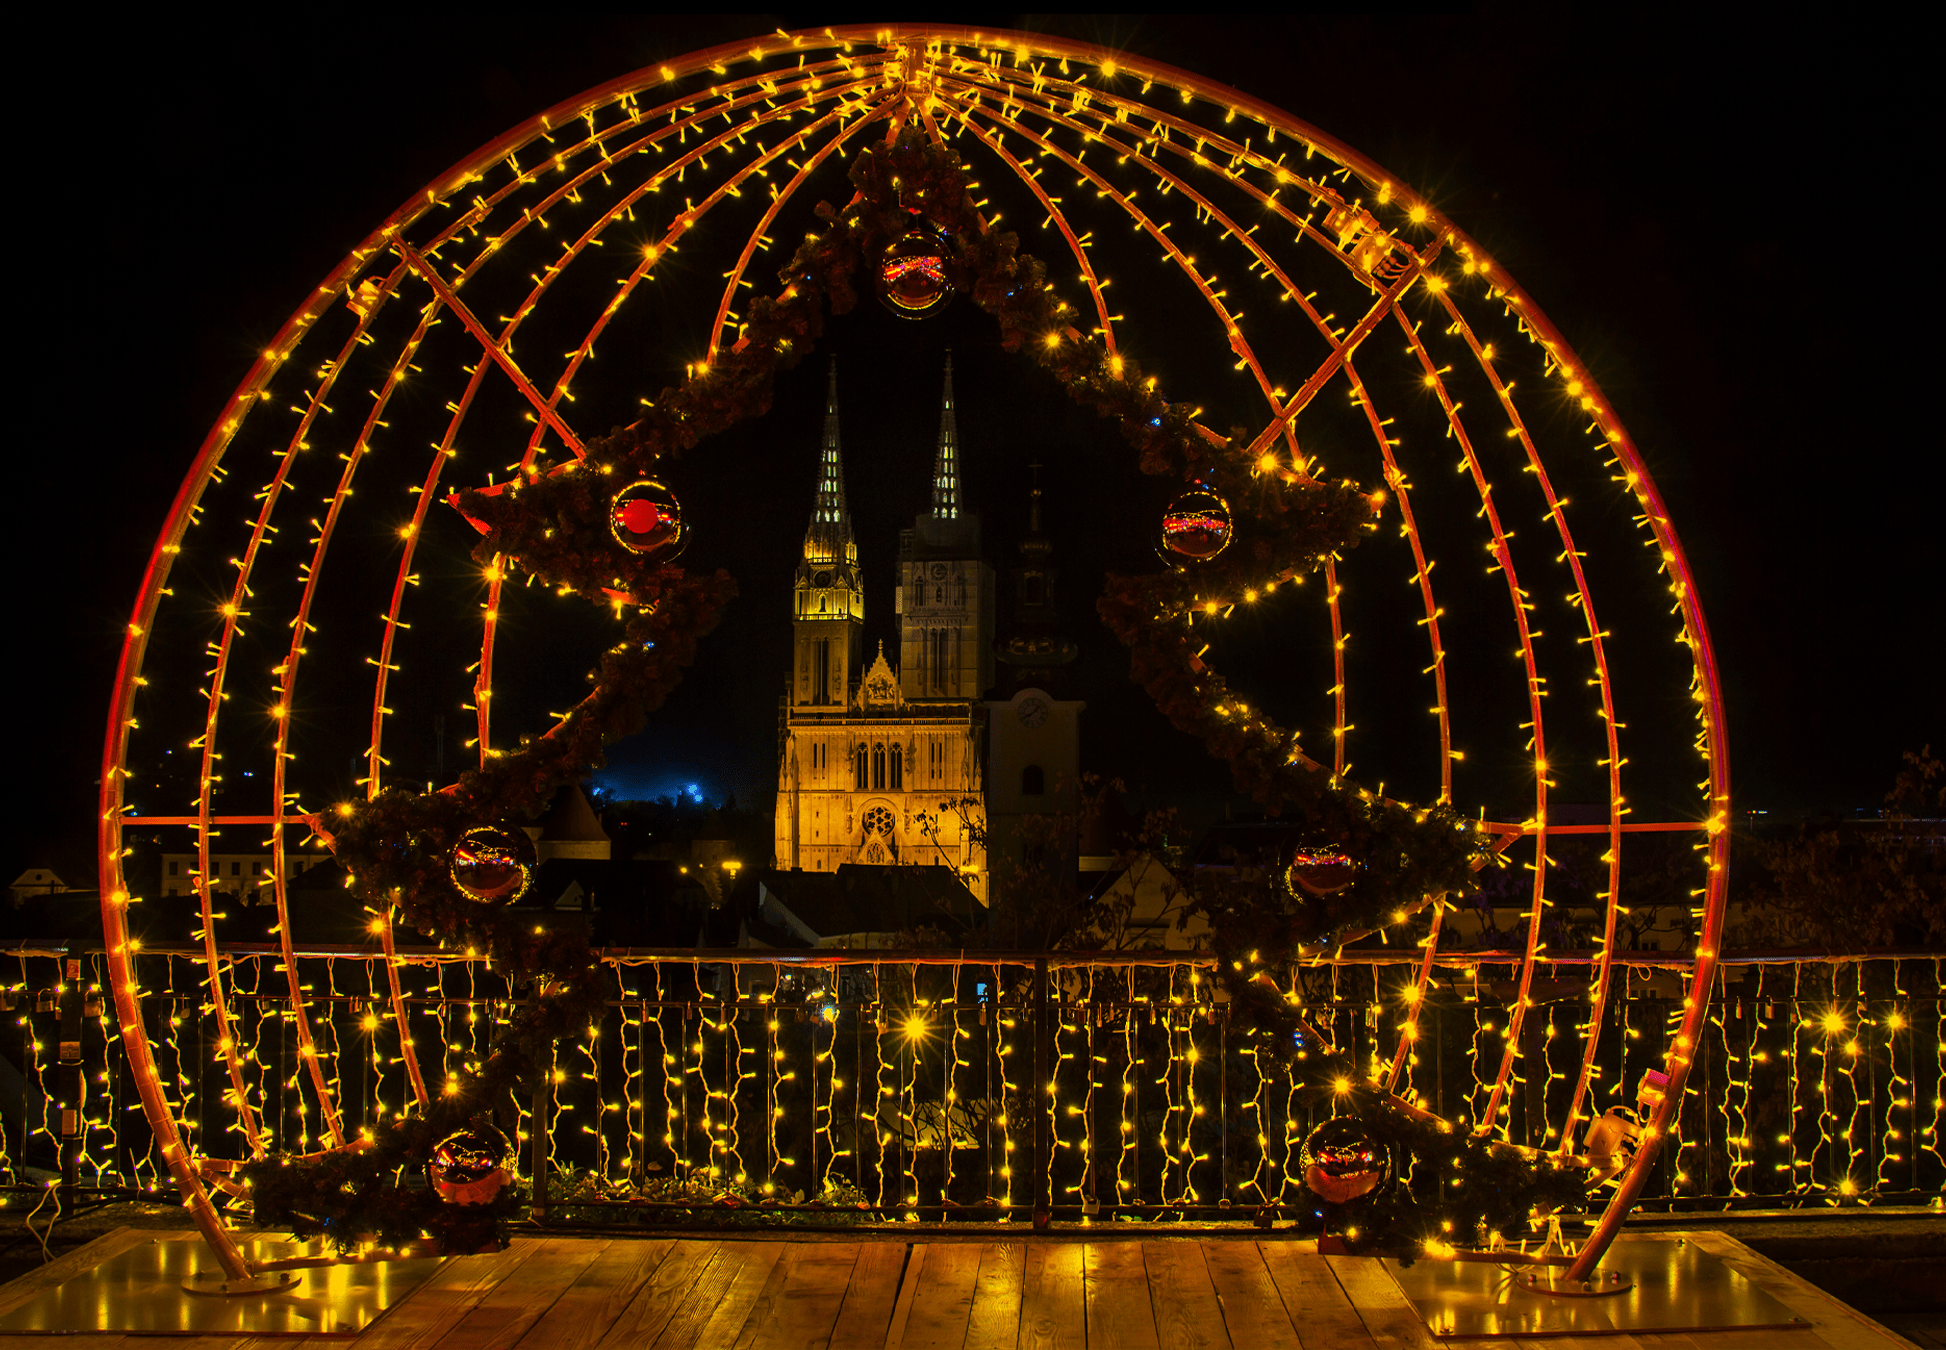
(52, 1191)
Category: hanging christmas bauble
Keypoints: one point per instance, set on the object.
(912, 274)
(470, 1166)
(1341, 1162)
(1320, 869)
(646, 518)
(1195, 526)
(493, 863)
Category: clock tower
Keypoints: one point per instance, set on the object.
(1033, 738)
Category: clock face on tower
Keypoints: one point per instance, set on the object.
(1032, 712)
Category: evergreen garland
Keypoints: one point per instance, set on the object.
(1466, 1189)
(554, 524)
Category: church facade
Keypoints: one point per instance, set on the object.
(880, 764)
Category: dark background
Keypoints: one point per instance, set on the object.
(1717, 220)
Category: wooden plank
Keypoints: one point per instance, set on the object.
(1253, 1310)
(867, 1310)
(591, 1302)
(1318, 1306)
(1188, 1315)
(449, 1294)
(1593, 1343)
(1053, 1312)
(1837, 1324)
(769, 1298)
(736, 1279)
(801, 1316)
(656, 1300)
(1387, 1313)
(915, 1265)
(995, 1321)
(942, 1301)
(1117, 1288)
(512, 1307)
(81, 1260)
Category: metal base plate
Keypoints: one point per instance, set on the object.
(1677, 1286)
(141, 1291)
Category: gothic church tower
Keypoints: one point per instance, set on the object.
(873, 768)
(945, 589)
(829, 620)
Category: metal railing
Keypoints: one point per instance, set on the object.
(985, 1084)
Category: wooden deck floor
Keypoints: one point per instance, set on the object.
(1124, 1293)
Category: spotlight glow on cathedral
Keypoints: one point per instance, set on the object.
(882, 765)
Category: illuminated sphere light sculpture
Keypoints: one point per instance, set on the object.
(1352, 330)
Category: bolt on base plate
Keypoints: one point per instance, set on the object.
(215, 1282)
(1551, 1280)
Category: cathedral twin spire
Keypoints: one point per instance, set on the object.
(829, 539)
(945, 467)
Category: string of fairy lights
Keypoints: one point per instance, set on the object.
(1841, 1055)
(414, 307)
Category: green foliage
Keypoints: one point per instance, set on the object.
(1465, 1186)
(356, 1195)
(699, 1202)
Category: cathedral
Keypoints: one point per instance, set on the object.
(881, 764)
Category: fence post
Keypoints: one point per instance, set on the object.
(1043, 1202)
(69, 1081)
(1221, 1016)
(543, 1095)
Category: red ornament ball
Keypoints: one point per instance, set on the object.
(1195, 526)
(470, 1166)
(1320, 870)
(646, 518)
(494, 864)
(1341, 1162)
(912, 274)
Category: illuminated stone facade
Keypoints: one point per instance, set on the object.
(880, 765)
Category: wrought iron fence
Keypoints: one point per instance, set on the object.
(906, 1084)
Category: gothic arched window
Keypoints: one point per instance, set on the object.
(878, 766)
(896, 780)
(1033, 782)
(863, 768)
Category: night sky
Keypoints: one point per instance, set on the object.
(1718, 227)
